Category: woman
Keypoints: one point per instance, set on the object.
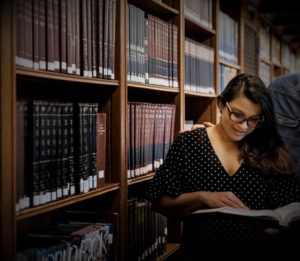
(240, 162)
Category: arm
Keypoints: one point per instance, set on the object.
(189, 202)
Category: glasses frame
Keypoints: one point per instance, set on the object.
(258, 124)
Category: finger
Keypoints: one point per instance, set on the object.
(208, 124)
(197, 126)
(234, 201)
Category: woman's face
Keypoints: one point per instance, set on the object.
(240, 117)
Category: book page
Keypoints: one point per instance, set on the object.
(289, 212)
(284, 214)
(263, 213)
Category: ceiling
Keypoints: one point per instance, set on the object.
(284, 16)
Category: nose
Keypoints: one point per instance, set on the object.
(244, 125)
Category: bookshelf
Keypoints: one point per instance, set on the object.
(265, 65)
(251, 45)
(199, 60)
(276, 54)
(193, 42)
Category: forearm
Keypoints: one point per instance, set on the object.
(182, 205)
(189, 202)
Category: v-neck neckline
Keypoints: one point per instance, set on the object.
(236, 171)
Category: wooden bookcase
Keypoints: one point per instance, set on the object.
(19, 83)
(276, 56)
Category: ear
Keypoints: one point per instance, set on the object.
(220, 106)
(220, 103)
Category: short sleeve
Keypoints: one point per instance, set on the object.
(168, 178)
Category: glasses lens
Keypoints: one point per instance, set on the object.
(236, 117)
(253, 123)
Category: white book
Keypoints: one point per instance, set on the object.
(284, 215)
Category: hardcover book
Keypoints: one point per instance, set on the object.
(284, 215)
(101, 149)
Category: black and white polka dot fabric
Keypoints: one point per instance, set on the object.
(192, 165)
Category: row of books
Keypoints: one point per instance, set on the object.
(147, 230)
(264, 42)
(69, 241)
(61, 150)
(228, 40)
(151, 49)
(276, 50)
(226, 74)
(265, 73)
(200, 11)
(73, 37)
(199, 67)
(150, 134)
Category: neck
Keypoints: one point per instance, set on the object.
(221, 136)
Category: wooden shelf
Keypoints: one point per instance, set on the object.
(171, 249)
(34, 211)
(200, 94)
(157, 8)
(152, 87)
(63, 77)
(140, 179)
(232, 65)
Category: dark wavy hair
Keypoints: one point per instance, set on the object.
(263, 148)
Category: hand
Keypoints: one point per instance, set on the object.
(222, 199)
(205, 124)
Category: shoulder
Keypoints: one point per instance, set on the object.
(286, 82)
(191, 138)
(190, 134)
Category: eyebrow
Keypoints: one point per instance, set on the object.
(236, 110)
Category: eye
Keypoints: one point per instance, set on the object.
(238, 115)
(254, 120)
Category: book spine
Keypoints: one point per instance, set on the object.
(71, 156)
(53, 117)
(56, 44)
(94, 145)
(100, 38)
(20, 31)
(132, 139)
(34, 137)
(105, 38)
(94, 37)
(76, 49)
(50, 35)
(101, 148)
(36, 41)
(59, 150)
(65, 150)
(63, 36)
(28, 28)
(22, 200)
(113, 39)
(89, 38)
(42, 35)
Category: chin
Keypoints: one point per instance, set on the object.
(236, 135)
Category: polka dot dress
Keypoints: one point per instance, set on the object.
(192, 165)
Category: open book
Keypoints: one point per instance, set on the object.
(284, 215)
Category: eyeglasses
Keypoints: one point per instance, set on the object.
(252, 121)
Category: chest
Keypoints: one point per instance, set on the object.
(228, 157)
(208, 172)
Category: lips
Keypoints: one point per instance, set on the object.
(240, 133)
